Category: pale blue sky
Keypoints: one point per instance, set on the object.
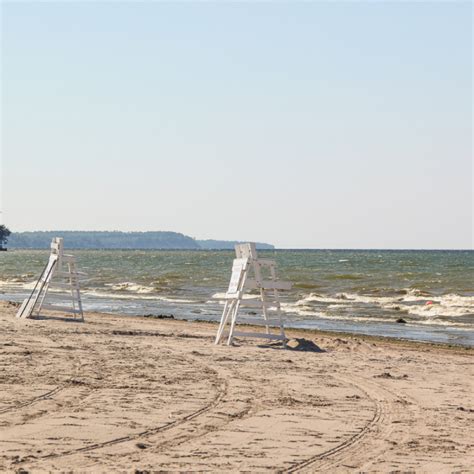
(316, 124)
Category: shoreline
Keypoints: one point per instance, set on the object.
(324, 333)
(291, 330)
(288, 326)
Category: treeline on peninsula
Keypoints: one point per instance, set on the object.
(119, 240)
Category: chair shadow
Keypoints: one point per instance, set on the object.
(57, 318)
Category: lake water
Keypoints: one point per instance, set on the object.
(339, 290)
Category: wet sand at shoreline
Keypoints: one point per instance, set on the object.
(140, 394)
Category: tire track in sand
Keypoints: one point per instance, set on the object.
(358, 447)
(49, 394)
(220, 394)
(31, 401)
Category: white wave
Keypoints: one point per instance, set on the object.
(415, 302)
(128, 296)
(174, 300)
(361, 319)
(313, 297)
(371, 299)
(131, 287)
(455, 300)
(445, 305)
(17, 285)
(345, 298)
(433, 310)
(413, 294)
(301, 311)
(15, 282)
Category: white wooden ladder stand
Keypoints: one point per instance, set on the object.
(59, 273)
(252, 273)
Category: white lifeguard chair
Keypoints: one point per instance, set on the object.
(60, 273)
(252, 273)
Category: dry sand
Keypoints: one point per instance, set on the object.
(122, 394)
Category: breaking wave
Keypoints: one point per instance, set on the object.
(414, 302)
(131, 287)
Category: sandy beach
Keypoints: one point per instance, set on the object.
(135, 394)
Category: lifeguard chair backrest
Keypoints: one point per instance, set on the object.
(246, 251)
(57, 246)
(57, 249)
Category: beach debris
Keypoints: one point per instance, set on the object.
(388, 375)
(400, 321)
(59, 273)
(159, 316)
(257, 278)
(141, 445)
(304, 345)
(385, 375)
(77, 382)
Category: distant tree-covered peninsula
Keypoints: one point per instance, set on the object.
(119, 240)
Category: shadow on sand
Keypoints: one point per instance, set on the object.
(57, 318)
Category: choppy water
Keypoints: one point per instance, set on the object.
(341, 290)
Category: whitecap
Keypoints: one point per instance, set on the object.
(129, 296)
(130, 286)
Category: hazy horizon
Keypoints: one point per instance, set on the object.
(325, 125)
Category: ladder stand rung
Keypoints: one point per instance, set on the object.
(261, 322)
(260, 304)
(66, 309)
(263, 335)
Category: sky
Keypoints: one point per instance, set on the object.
(302, 124)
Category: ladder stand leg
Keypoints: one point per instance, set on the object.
(225, 316)
(232, 324)
(276, 296)
(264, 309)
(43, 297)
